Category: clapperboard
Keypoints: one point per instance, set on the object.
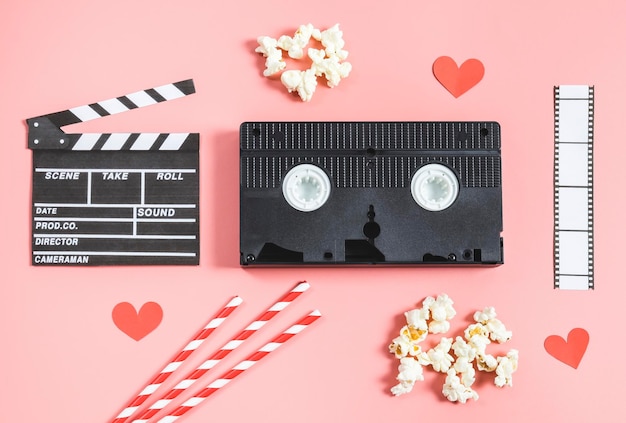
(114, 198)
(573, 187)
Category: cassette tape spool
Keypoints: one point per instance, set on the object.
(357, 193)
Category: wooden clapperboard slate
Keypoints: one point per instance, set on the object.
(116, 198)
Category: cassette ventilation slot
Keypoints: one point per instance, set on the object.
(376, 193)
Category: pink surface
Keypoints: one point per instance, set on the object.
(64, 360)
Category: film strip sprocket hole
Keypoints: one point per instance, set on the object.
(114, 198)
(573, 187)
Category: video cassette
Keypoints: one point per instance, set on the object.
(370, 193)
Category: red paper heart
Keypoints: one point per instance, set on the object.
(137, 325)
(456, 79)
(571, 351)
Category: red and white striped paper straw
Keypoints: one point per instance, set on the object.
(254, 358)
(229, 347)
(178, 360)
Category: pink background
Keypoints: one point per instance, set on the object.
(65, 361)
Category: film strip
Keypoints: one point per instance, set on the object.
(114, 198)
(573, 187)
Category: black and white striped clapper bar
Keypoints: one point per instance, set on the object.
(573, 187)
(114, 198)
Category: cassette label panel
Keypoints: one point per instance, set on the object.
(377, 208)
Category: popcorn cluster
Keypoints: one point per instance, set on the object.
(328, 62)
(454, 357)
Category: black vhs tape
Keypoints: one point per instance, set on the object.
(342, 193)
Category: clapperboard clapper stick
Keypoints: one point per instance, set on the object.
(114, 198)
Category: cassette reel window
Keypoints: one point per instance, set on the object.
(434, 187)
(306, 187)
(359, 193)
